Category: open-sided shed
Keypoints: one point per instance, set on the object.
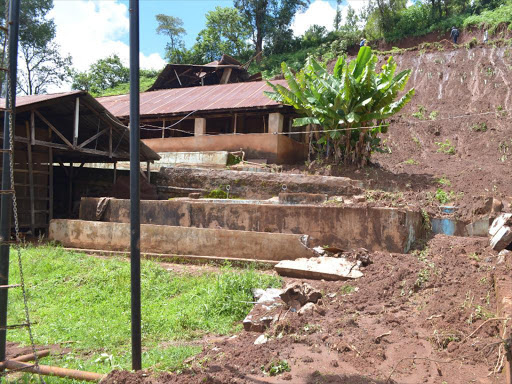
(64, 128)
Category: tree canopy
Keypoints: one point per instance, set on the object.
(172, 27)
(41, 65)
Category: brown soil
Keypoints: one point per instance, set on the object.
(421, 306)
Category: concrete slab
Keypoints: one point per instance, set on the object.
(502, 239)
(318, 268)
(179, 240)
(344, 227)
(499, 222)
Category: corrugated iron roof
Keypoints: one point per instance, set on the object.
(59, 107)
(180, 101)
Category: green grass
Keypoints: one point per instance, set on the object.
(491, 19)
(86, 300)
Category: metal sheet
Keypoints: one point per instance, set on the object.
(180, 101)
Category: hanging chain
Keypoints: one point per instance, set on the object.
(9, 90)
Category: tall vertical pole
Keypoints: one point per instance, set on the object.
(135, 186)
(6, 199)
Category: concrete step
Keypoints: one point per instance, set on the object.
(112, 236)
(345, 227)
(260, 185)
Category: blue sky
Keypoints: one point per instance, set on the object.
(89, 30)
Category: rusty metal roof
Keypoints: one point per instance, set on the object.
(180, 101)
(59, 109)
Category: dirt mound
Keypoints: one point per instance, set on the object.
(409, 319)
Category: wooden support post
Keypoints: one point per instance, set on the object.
(148, 163)
(31, 181)
(32, 127)
(70, 184)
(50, 171)
(77, 121)
(226, 75)
(110, 142)
(234, 123)
(199, 126)
(115, 171)
(275, 123)
(163, 128)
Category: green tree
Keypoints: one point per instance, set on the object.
(41, 63)
(226, 32)
(269, 20)
(351, 21)
(172, 27)
(338, 16)
(351, 105)
(103, 74)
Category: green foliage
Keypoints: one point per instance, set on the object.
(104, 73)
(40, 62)
(276, 368)
(147, 79)
(479, 127)
(217, 193)
(351, 105)
(86, 300)
(226, 32)
(443, 196)
(347, 289)
(491, 19)
(446, 147)
(444, 181)
(433, 115)
(420, 114)
(172, 27)
(411, 162)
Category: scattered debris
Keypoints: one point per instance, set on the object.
(262, 339)
(323, 267)
(501, 232)
(265, 310)
(296, 295)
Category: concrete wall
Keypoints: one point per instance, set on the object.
(179, 240)
(377, 229)
(275, 148)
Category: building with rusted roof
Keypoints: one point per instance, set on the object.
(227, 117)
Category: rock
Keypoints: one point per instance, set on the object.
(502, 238)
(302, 198)
(334, 363)
(194, 195)
(257, 324)
(262, 339)
(308, 308)
(269, 295)
(297, 294)
(500, 221)
(502, 256)
(327, 268)
(359, 198)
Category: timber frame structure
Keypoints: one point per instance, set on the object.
(70, 128)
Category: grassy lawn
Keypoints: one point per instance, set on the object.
(85, 300)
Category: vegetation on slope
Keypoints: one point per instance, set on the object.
(85, 301)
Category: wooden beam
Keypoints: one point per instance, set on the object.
(226, 74)
(102, 132)
(148, 163)
(163, 128)
(77, 122)
(53, 129)
(50, 171)
(32, 127)
(30, 181)
(70, 184)
(115, 171)
(179, 81)
(110, 141)
(82, 150)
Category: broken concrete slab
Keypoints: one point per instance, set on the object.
(502, 239)
(296, 294)
(327, 268)
(265, 311)
(499, 222)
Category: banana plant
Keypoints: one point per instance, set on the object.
(351, 104)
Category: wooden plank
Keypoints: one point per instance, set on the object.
(102, 132)
(163, 128)
(115, 171)
(70, 186)
(53, 129)
(148, 163)
(30, 181)
(77, 122)
(110, 141)
(50, 181)
(32, 127)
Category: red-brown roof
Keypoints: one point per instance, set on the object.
(180, 101)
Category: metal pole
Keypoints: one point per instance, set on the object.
(135, 186)
(6, 199)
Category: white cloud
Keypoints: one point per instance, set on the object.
(90, 30)
(321, 12)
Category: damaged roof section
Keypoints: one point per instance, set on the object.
(175, 102)
(224, 71)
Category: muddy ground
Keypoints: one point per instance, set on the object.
(409, 319)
